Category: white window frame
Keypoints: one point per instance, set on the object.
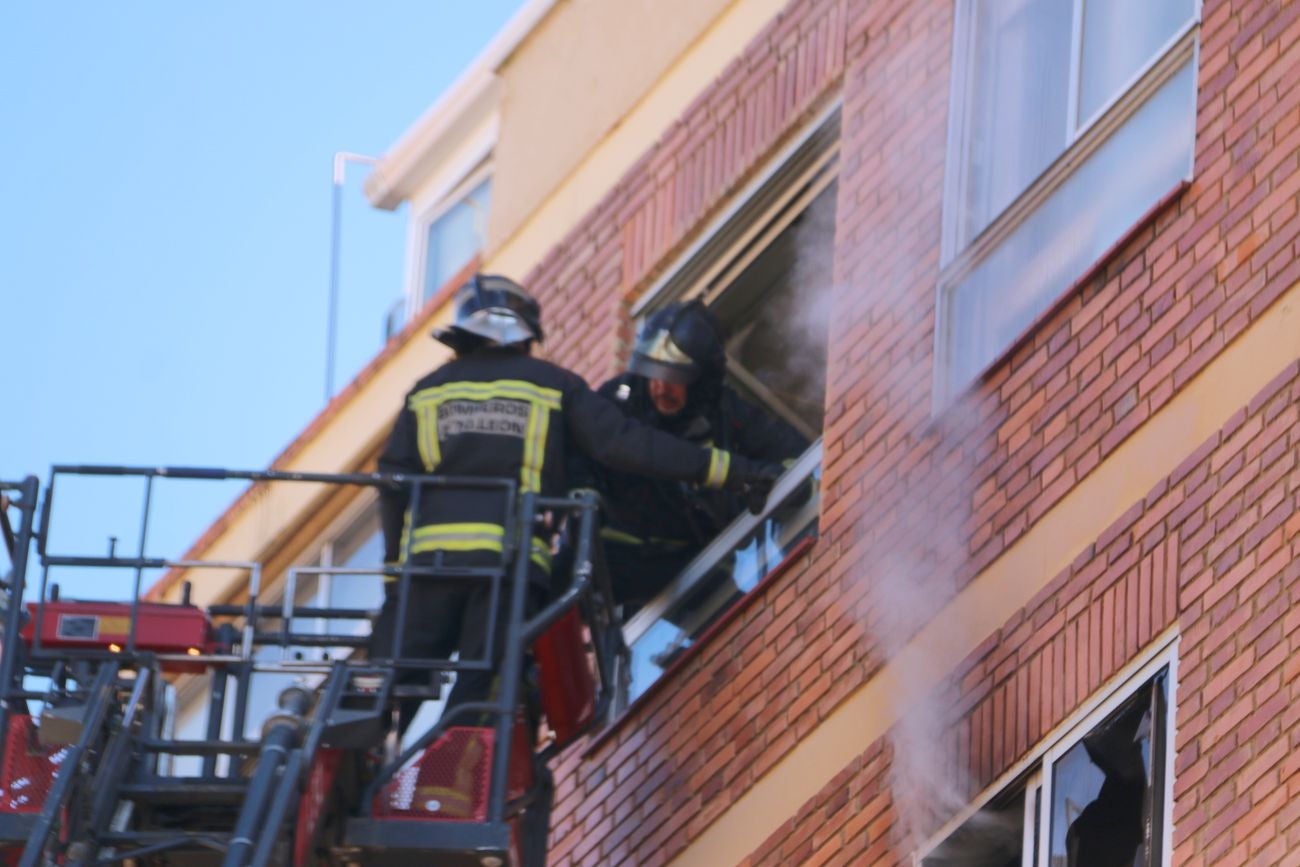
(1035, 769)
(307, 568)
(1084, 138)
(478, 168)
(699, 269)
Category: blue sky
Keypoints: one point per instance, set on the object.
(164, 227)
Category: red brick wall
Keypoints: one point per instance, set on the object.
(934, 501)
(1235, 595)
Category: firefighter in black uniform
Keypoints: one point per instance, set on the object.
(674, 381)
(495, 411)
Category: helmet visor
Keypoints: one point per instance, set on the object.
(656, 356)
(497, 324)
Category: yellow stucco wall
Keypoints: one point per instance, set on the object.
(572, 80)
(605, 164)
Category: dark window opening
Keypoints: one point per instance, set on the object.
(774, 304)
(1103, 793)
(993, 837)
(777, 314)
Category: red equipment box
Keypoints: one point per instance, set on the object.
(160, 628)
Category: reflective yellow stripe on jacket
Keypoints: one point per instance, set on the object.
(471, 537)
(458, 537)
(622, 537)
(542, 401)
(719, 465)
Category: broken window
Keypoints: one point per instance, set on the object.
(1104, 785)
(766, 273)
(1107, 791)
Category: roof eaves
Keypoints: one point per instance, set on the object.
(474, 91)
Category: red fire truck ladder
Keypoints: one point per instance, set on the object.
(91, 777)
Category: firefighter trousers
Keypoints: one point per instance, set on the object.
(443, 619)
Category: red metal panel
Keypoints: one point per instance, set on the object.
(27, 769)
(568, 686)
(448, 783)
(311, 806)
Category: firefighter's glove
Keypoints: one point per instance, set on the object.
(759, 485)
(753, 480)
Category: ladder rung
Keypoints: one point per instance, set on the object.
(201, 748)
(182, 792)
(122, 839)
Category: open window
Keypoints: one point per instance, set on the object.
(1069, 121)
(1098, 795)
(765, 270)
(775, 313)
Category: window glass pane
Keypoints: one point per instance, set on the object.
(723, 582)
(993, 837)
(306, 594)
(191, 725)
(455, 237)
(1102, 790)
(1143, 161)
(1016, 118)
(1119, 38)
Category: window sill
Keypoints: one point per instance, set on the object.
(1027, 336)
(688, 656)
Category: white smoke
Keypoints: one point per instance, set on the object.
(925, 550)
(783, 341)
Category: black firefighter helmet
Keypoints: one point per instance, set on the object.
(682, 343)
(492, 310)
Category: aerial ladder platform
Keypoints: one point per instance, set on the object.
(93, 772)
